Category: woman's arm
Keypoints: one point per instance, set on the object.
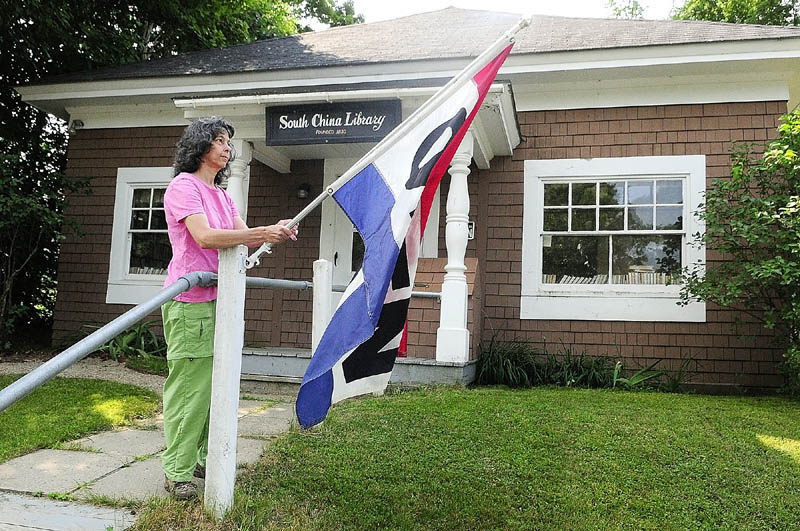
(209, 238)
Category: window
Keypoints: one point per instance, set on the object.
(150, 251)
(140, 249)
(607, 238)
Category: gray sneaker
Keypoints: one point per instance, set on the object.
(182, 490)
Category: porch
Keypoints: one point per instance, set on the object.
(281, 370)
(428, 359)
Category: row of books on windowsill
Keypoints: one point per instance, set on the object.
(634, 277)
(148, 271)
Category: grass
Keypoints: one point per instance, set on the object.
(542, 458)
(65, 409)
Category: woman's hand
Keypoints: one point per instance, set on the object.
(277, 233)
(294, 229)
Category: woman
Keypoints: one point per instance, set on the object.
(201, 218)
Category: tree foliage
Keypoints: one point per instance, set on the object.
(627, 9)
(753, 221)
(771, 12)
(43, 38)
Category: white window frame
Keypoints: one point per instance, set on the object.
(124, 287)
(608, 302)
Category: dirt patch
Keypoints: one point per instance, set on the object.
(27, 354)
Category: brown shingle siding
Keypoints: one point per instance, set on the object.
(746, 356)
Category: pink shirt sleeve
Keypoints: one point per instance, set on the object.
(234, 211)
(185, 199)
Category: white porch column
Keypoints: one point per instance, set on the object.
(238, 182)
(321, 306)
(452, 338)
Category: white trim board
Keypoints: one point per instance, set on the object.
(607, 302)
(124, 288)
(584, 96)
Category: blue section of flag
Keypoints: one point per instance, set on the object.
(368, 202)
(314, 400)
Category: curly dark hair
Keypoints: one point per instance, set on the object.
(196, 141)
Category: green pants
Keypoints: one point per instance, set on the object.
(189, 331)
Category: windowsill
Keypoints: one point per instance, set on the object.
(611, 307)
(129, 291)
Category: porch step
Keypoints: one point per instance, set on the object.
(286, 367)
(270, 385)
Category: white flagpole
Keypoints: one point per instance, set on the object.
(409, 123)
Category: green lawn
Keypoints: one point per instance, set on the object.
(67, 408)
(544, 458)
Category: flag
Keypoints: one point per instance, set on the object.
(388, 202)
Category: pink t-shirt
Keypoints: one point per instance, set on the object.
(187, 195)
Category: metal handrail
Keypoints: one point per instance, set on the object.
(31, 381)
(37, 377)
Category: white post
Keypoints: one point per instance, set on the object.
(240, 175)
(452, 337)
(323, 295)
(228, 343)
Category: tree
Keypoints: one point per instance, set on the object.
(328, 12)
(753, 221)
(44, 38)
(772, 12)
(627, 9)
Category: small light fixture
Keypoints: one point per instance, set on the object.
(74, 126)
(303, 190)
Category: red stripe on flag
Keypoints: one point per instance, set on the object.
(483, 80)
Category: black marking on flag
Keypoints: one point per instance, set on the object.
(366, 361)
(419, 176)
(400, 276)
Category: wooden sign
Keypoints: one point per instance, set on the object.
(328, 123)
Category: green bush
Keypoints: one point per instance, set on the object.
(517, 364)
(790, 368)
(752, 219)
(637, 379)
(508, 363)
(137, 341)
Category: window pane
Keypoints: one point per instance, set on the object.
(158, 197)
(141, 198)
(669, 218)
(555, 219)
(612, 193)
(584, 194)
(640, 218)
(583, 218)
(646, 259)
(150, 253)
(158, 221)
(612, 218)
(640, 192)
(556, 194)
(139, 219)
(669, 192)
(575, 259)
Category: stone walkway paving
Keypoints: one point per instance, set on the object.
(123, 464)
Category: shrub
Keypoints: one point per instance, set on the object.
(517, 364)
(136, 341)
(753, 220)
(506, 363)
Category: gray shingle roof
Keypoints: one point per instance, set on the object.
(445, 34)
